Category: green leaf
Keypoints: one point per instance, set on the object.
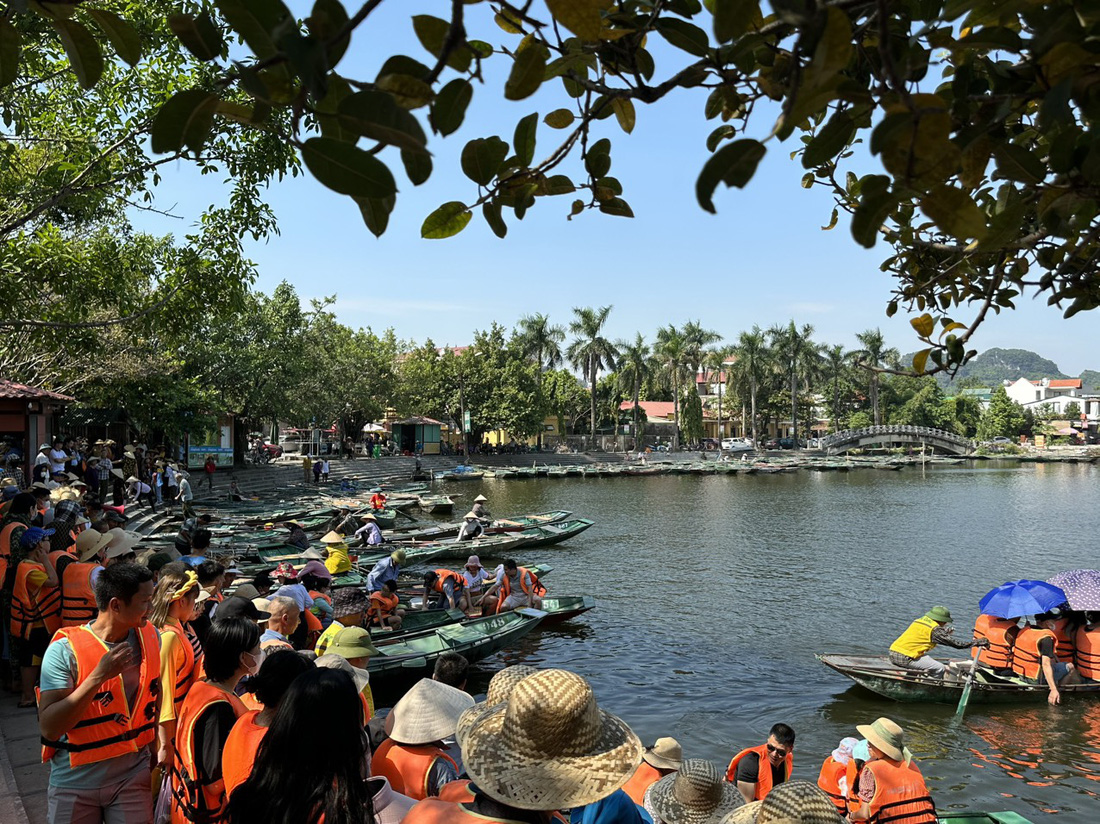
(431, 32)
(347, 169)
(184, 121)
(875, 205)
(558, 185)
(376, 212)
(446, 221)
(955, 212)
(10, 44)
(924, 325)
(122, 36)
(377, 116)
(624, 113)
(718, 135)
(258, 22)
(481, 159)
(734, 165)
(401, 64)
(327, 19)
(409, 92)
(329, 105)
(920, 359)
(559, 119)
(829, 141)
(733, 18)
(684, 36)
(598, 159)
(582, 17)
(449, 109)
(82, 51)
(1017, 163)
(418, 165)
(507, 23)
(524, 139)
(526, 75)
(199, 35)
(491, 213)
(616, 206)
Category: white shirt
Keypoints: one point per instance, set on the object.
(185, 490)
(57, 460)
(475, 580)
(170, 476)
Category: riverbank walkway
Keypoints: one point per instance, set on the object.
(23, 776)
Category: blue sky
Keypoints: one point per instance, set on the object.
(762, 259)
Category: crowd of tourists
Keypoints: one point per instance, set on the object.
(1055, 649)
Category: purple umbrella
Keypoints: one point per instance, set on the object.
(1082, 588)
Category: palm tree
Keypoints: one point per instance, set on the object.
(590, 351)
(835, 365)
(714, 360)
(874, 354)
(696, 339)
(751, 361)
(671, 352)
(799, 360)
(634, 368)
(540, 341)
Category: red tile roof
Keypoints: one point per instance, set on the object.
(653, 409)
(1068, 383)
(20, 391)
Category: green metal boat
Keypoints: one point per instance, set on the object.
(554, 533)
(437, 504)
(878, 675)
(968, 817)
(474, 640)
(561, 608)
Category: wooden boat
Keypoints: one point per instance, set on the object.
(559, 609)
(487, 546)
(437, 504)
(642, 470)
(878, 675)
(414, 554)
(554, 533)
(521, 522)
(454, 475)
(474, 640)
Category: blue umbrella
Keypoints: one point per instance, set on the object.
(1017, 598)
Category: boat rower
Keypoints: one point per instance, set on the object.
(369, 533)
(378, 500)
(471, 528)
(481, 510)
(338, 559)
(910, 650)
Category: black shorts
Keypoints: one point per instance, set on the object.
(30, 651)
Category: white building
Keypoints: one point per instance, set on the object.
(1054, 394)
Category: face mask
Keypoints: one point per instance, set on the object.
(259, 659)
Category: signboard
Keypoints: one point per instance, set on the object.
(466, 421)
(196, 456)
(1041, 441)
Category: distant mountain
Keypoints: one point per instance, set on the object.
(993, 366)
(1090, 381)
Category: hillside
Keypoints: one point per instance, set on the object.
(993, 366)
(1090, 380)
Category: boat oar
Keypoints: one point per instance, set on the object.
(965, 699)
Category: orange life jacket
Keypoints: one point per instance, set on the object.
(5, 548)
(763, 772)
(1001, 634)
(901, 796)
(829, 782)
(1063, 640)
(457, 581)
(435, 811)
(407, 767)
(644, 777)
(109, 726)
(240, 750)
(528, 582)
(382, 606)
(195, 802)
(186, 676)
(27, 609)
(1026, 660)
(77, 596)
(457, 792)
(854, 801)
(1087, 652)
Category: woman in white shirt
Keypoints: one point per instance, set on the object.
(475, 576)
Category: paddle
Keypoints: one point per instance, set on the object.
(965, 699)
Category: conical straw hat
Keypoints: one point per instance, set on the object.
(332, 538)
(697, 794)
(428, 712)
(550, 746)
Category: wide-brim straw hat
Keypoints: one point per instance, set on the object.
(500, 688)
(332, 661)
(398, 556)
(428, 712)
(665, 754)
(696, 794)
(89, 543)
(887, 736)
(332, 538)
(550, 746)
(793, 802)
(122, 542)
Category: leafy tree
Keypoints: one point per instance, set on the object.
(966, 411)
(714, 360)
(696, 340)
(565, 398)
(874, 355)
(541, 341)
(1072, 411)
(693, 417)
(752, 362)
(924, 407)
(1002, 418)
(590, 351)
(634, 367)
(836, 368)
(799, 361)
(980, 171)
(671, 351)
(860, 420)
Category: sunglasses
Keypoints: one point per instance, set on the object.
(777, 750)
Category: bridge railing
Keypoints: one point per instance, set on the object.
(919, 431)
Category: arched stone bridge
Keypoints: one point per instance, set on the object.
(897, 436)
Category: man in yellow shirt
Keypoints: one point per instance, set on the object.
(910, 650)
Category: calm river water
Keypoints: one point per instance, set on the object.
(715, 592)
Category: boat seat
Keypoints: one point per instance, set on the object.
(458, 634)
